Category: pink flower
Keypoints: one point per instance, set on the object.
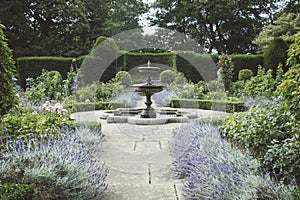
(34, 113)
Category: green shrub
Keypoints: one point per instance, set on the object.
(245, 74)
(262, 85)
(275, 54)
(7, 71)
(289, 89)
(167, 76)
(33, 66)
(201, 89)
(47, 86)
(123, 78)
(108, 44)
(87, 93)
(105, 91)
(21, 121)
(99, 105)
(270, 136)
(238, 88)
(284, 157)
(206, 104)
(12, 191)
(225, 66)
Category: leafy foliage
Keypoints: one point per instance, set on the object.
(261, 85)
(12, 191)
(7, 71)
(21, 121)
(264, 131)
(289, 88)
(225, 66)
(45, 87)
(167, 76)
(123, 78)
(285, 27)
(245, 74)
(202, 20)
(65, 28)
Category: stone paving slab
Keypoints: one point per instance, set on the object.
(141, 192)
(138, 159)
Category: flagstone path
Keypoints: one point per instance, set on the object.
(138, 159)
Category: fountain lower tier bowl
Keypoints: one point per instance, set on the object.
(132, 116)
(149, 89)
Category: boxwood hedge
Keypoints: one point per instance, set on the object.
(207, 104)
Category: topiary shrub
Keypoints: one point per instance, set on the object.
(7, 71)
(275, 53)
(245, 74)
(225, 72)
(168, 76)
(106, 43)
(123, 77)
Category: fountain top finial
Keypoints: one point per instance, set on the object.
(148, 63)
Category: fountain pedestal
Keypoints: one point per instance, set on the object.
(148, 90)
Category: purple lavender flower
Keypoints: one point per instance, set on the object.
(214, 169)
(65, 165)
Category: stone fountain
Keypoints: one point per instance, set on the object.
(148, 115)
(148, 89)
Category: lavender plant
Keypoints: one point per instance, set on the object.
(164, 97)
(129, 98)
(61, 168)
(214, 169)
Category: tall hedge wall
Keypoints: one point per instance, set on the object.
(32, 66)
(137, 59)
(185, 66)
(96, 69)
(243, 61)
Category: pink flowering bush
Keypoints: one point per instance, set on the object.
(45, 121)
(56, 108)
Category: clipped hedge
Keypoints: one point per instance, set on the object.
(243, 61)
(33, 66)
(88, 106)
(137, 59)
(93, 66)
(207, 104)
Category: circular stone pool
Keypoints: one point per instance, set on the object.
(132, 116)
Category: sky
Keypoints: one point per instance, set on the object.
(143, 19)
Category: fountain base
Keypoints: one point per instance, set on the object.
(134, 116)
(148, 113)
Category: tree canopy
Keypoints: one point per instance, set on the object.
(70, 28)
(285, 27)
(65, 28)
(221, 25)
